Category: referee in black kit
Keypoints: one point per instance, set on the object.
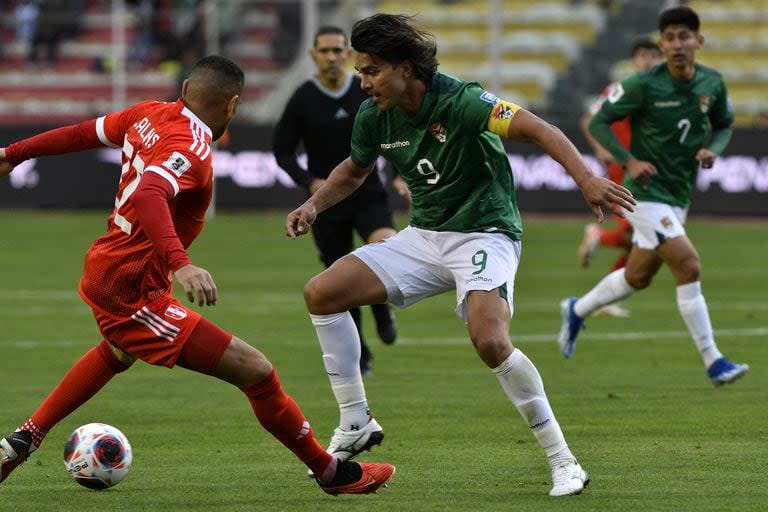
(320, 114)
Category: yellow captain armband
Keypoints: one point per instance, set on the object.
(501, 115)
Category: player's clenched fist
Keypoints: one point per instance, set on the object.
(299, 220)
(198, 284)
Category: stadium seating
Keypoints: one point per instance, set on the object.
(538, 40)
(80, 85)
(736, 44)
(539, 44)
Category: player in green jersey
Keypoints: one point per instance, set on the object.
(442, 135)
(674, 108)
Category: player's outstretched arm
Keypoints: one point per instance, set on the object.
(5, 166)
(67, 139)
(599, 193)
(342, 181)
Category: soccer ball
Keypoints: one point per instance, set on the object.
(97, 456)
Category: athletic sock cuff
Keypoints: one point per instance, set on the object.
(688, 291)
(323, 320)
(37, 434)
(509, 363)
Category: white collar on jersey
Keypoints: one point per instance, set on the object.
(191, 115)
(333, 94)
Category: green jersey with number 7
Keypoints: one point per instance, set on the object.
(671, 120)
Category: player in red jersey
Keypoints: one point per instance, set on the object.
(645, 55)
(165, 188)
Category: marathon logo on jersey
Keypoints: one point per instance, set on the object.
(395, 145)
(177, 163)
(704, 104)
(439, 132)
(175, 312)
(489, 98)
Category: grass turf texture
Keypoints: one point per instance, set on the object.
(639, 413)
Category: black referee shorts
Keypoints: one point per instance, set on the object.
(334, 228)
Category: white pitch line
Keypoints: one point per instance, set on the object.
(529, 338)
(276, 300)
(587, 337)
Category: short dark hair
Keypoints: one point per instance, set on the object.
(330, 29)
(392, 38)
(681, 15)
(222, 77)
(644, 43)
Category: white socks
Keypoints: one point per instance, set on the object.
(693, 309)
(522, 384)
(611, 289)
(341, 355)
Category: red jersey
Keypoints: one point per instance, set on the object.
(621, 128)
(123, 269)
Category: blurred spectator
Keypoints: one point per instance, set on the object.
(673, 3)
(140, 47)
(56, 20)
(26, 21)
(285, 43)
(188, 17)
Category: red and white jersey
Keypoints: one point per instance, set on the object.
(621, 128)
(123, 271)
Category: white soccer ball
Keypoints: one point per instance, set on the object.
(98, 456)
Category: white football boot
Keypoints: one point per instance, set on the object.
(346, 444)
(568, 478)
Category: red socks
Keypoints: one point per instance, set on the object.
(281, 417)
(276, 411)
(82, 381)
(613, 238)
(620, 262)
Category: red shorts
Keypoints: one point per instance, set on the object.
(155, 334)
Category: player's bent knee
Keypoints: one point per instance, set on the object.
(492, 349)
(690, 271)
(320, 300)
(638, 281)
(242, 365)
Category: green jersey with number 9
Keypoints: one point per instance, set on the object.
(671, 120)
(456, 169)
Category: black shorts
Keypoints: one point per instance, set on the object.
(334, 228)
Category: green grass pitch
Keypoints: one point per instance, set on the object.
(634, 402)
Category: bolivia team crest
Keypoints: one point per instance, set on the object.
(704, 104)
(439, 132)
(502, 111)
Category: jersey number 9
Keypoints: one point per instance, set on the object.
(426, 168)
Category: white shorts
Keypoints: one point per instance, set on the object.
(655, 222)
(416, 263)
